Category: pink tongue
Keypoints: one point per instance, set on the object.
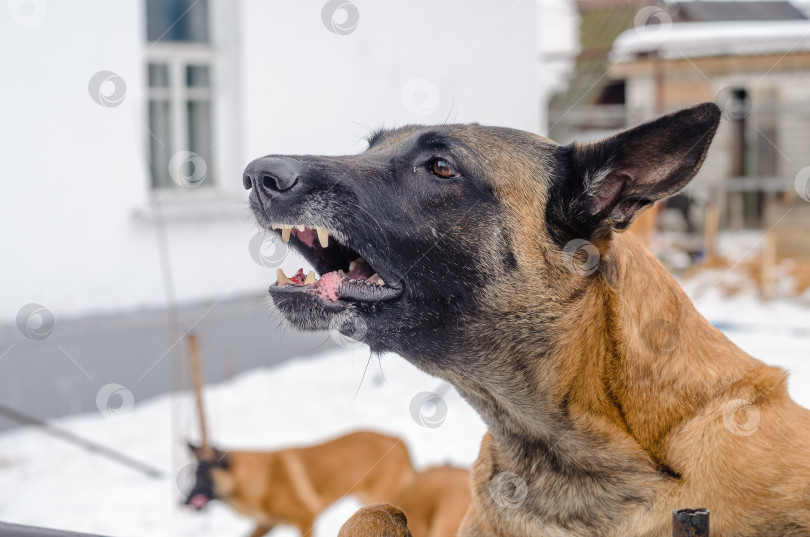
(198, 501)
(327, 286)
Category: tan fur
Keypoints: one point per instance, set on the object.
(645, 402)
(645, 225)
(378, 520)
(436, 501)
(610, 400)
(292, 486)
(661, 406)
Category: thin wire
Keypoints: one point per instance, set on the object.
(167, 275)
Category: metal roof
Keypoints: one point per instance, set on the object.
(708, 11)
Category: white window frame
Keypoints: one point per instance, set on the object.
(221, 197)
(177, 57)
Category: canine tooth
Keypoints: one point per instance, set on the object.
(310, 277)
(301, 228)
(323, 237)
(380, 282)
(281, 278)
(285, 234)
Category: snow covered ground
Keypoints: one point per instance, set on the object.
(47, 482)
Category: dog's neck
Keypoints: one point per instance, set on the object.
(625, 358)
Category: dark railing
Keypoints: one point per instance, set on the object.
(690, 523)
(14, 530)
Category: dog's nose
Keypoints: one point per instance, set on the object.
(272, 175)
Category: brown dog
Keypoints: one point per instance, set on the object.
(433, 505)
(492, 258)
(436, 501)
(293, 486)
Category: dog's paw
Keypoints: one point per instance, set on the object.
(377, 520)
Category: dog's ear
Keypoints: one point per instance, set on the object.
(605, 184)
(212, 455)
(195, 450)
(222, 459)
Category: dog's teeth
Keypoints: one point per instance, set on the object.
(285, 234)
(276, 226)
(323, 237)
(356, 262)
(310, 277)
(380, 282)
(281, 278)
(301, 228)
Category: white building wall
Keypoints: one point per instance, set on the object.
(311, 90)
(77, 214)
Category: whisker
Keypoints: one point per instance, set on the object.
(361, 380)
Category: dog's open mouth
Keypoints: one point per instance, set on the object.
(198, 501)
(341, 272)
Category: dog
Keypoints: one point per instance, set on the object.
(293, 486)
(433, 505)
(495, 259)
(436, 501)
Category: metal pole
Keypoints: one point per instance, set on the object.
(87, 445)
(690, 523)
(15, 530)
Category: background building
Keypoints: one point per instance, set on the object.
(641, 59)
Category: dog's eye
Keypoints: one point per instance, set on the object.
(442, 168)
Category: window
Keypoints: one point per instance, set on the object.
(179, 74)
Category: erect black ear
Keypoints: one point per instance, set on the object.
(195, 450)
(222, 459)
(211, 455)
(604, 184)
